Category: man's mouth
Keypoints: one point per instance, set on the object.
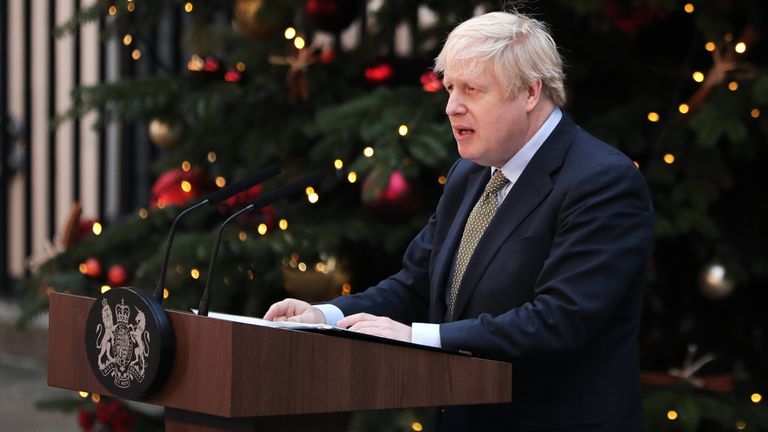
(463, 131)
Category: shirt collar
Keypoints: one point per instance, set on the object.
(515, 166)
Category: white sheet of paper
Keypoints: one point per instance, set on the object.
(266, 323)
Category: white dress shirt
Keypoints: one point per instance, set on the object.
(427, 333)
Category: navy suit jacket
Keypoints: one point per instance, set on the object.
(553, 286)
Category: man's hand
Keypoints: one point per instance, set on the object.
(377, 326)
(295, 311)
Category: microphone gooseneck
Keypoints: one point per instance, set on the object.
(161, 281)
(213, 199)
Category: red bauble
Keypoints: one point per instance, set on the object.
(430, 82)
(379, 73)
(117, 276)
(176, 187)
(389, 198)
(331, 15)
(212, 64)
(233, 75)
(92, 268)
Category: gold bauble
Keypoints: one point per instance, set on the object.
(248, 18)
(163, 134)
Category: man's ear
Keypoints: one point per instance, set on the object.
(532, 95)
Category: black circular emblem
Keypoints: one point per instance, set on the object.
(129, 342)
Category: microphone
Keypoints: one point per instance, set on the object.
(261, 202)
(212, 199)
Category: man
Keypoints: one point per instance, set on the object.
(535, 253)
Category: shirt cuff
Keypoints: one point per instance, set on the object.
(332, 313)
(426, 334)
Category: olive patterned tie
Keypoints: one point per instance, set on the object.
(477, 222)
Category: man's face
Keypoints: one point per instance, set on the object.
(489, 126)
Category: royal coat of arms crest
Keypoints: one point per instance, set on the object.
(123, 345)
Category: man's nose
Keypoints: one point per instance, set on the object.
(455, 105)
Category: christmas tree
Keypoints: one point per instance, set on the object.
(345, 86)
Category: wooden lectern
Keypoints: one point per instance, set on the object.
(228, 376)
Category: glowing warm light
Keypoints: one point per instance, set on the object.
(112, 10)
(188, 7)
(160, 203)
(698, 76)
(653, 117)
(105, 288)
(715, 274)
(96, 228)
(320, 267)
(669, 158)
(403, 130)
(186, 166)
(211, 156)
(740, 425)
(242, 235)
(710, 46)
(136, 54)
(195, 273)
(250, 274)
(733, 86)
(290, 33)
(313, 198)
(442, 180)
(352, 177)
(283, 224)
(127, 39)
(416, 426)
(302, 266)
(196, 63)
(637, 165)
(672, 414)
(309, 190)
(338, 164)
(755, 113)
(131, 7)
(346, 289)
(83, 268)
(299, 42)
(262, 228)
(186, 186)
(166, 293)
(689, 8)
(143, 213)
(740, 47)
(240, 66)
(83, 394)
(368, 152)
(683, 108)
(96, 397)
(756, 397)
(221, 181)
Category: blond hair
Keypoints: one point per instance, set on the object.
(519, 49)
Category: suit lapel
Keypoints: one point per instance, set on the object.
(530, 189)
